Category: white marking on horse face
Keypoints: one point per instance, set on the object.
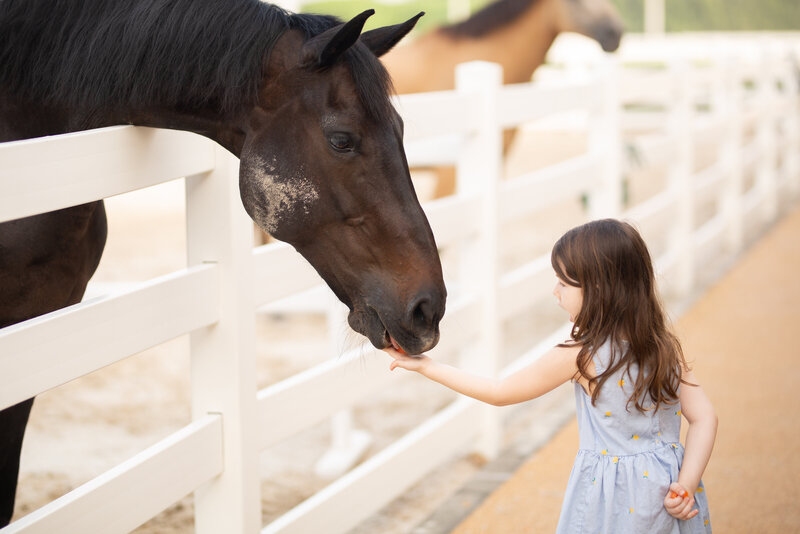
(328, 120)
(281, 197)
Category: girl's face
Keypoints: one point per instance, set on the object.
(568, 297)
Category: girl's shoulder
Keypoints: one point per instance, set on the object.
(602, 356)
(567, 350)
(608, 352)
(565, 357)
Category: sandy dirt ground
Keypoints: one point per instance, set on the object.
(741, 336)
(79, 430)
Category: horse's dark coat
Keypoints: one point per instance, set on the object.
(301, 99)
(186, 54)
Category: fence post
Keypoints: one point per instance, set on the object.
(790, 156)
(766, 176)
(605, 141)
(478, 172)
(223, 355)
(348, 443)
(727, 105)
(681, 173)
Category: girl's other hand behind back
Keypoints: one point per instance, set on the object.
(679, 503)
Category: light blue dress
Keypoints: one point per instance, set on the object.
(626, 462)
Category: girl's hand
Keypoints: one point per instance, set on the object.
(411, 363)
(679, 503)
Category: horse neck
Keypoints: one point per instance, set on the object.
(521, 46)
(223, 130)
(26, 120)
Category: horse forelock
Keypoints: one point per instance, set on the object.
(492, 17)
(181, 54)
(372, 81)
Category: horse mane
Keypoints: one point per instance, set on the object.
(491, 17)
(94, 55)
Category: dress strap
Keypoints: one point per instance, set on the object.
(601, 356)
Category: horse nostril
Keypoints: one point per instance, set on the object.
(423, 312)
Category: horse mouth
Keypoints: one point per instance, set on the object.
(610, 45)
(410, 348)
(608, 37)
(369, 324)
(395, 345)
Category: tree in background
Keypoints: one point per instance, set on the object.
(717, 15)
(681, 15)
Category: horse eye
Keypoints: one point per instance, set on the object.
(341, 142)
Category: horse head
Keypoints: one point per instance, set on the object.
(323, 168)
(597, 19)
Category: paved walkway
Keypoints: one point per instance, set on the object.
(743, 335)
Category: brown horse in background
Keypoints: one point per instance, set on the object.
(514, 33)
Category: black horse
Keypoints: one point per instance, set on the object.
(302, 100)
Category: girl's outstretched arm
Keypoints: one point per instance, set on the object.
(546, 373)
(700, 437)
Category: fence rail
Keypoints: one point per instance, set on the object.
(50, 173)
(55, 348)
(662, 113)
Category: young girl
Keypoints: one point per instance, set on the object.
(632, 384)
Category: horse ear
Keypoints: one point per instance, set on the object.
(381, 40)
(323, 49)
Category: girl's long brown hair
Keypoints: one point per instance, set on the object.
(609, 260)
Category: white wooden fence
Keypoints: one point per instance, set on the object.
(748, 110)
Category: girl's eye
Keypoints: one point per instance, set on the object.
(341, 142)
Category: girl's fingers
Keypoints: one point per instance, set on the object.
(686, 517)
(671, 503)
(678, 502)
(398, 364)
(675, 496)
(676, 489)
(680, 507)
(686, 508)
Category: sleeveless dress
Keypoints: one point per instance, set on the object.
(625, 464)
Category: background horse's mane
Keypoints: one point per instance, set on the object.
(94, 55)
(493, 16)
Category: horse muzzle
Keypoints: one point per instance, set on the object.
(415, 330)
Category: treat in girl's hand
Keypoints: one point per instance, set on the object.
(396, 346)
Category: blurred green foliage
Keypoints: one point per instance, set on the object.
(694, 15)
(717, 15)
(682, 15)
(632, 13)
(386, 14)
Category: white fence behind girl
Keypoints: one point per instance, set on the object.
(725, 129)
